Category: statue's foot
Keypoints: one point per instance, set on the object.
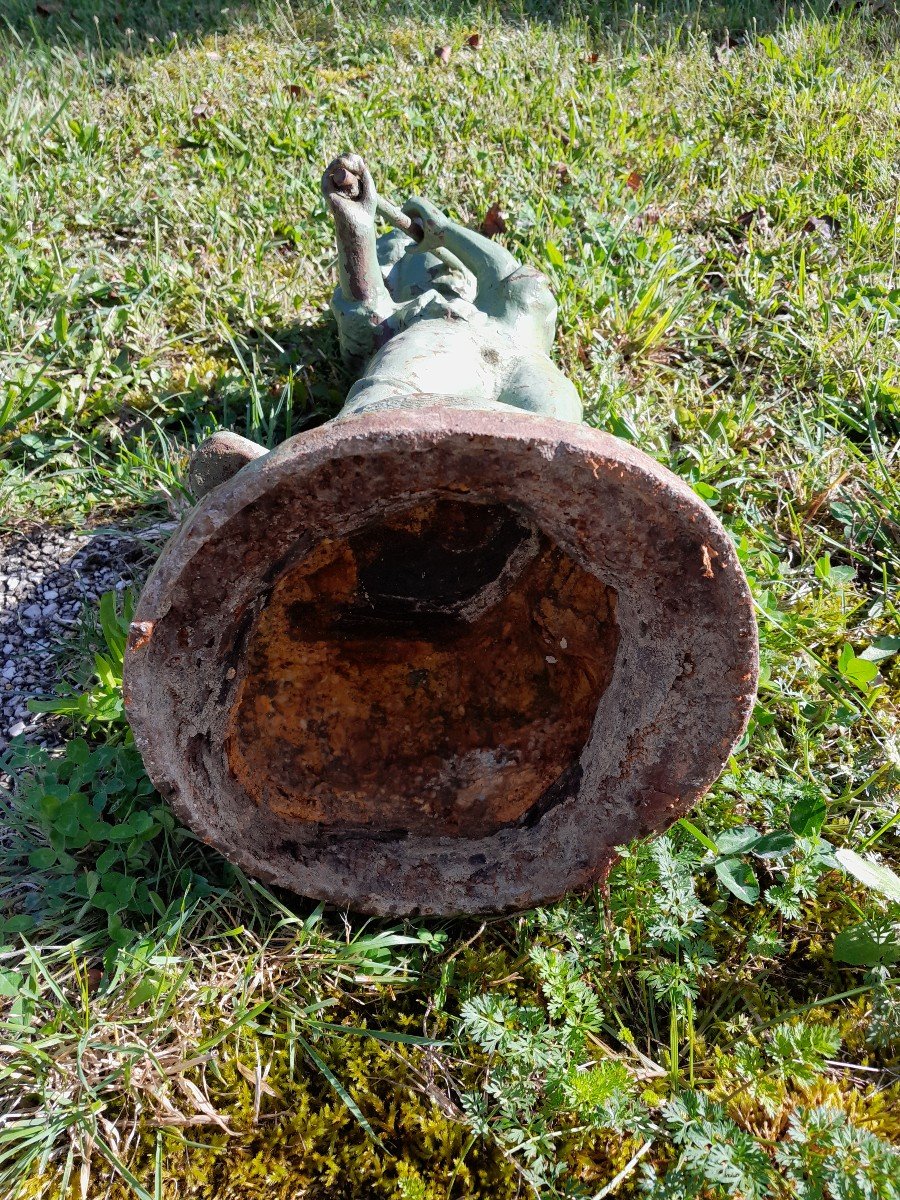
(219, 458)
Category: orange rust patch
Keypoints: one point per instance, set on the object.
(435, 674)
(140, 633)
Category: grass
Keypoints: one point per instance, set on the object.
(714, 192)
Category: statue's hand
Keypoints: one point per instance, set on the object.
(349, 189)
(433, 222)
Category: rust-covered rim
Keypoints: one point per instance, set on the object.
(616, 660)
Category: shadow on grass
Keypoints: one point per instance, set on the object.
(135, 26)
(271, 383)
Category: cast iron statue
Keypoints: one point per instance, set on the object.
(452, 313)
(431, 310)
(448, 651)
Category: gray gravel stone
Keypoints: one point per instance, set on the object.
(47, 578)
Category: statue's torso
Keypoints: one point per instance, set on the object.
(457, 351)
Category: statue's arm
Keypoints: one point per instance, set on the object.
(488, 261)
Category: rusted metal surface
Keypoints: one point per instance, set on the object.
(432, 674)
(446, 653)
(255, 620)
(218, 458)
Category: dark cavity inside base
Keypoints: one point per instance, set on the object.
(436, 674)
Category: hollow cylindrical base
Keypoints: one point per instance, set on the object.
(441, 660)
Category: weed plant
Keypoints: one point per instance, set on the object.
(714, 192)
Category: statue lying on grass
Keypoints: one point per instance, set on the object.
(447, 652)
(430, 312)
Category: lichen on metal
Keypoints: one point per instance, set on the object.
(447, 652)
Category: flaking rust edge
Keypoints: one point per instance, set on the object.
(659, 735)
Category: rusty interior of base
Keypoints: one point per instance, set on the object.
(436, 673)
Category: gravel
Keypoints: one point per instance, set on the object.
(48, 577)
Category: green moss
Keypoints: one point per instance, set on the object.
(307, 1141)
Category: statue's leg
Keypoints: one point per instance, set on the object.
(487, 261)
(537, 385)
(361, 330)
(371, 394)
(362, 302)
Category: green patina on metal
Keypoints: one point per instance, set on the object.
(429, 313)
(434, 308)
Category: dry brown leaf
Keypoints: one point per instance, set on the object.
(754, 217)
(442, 54)
(494, 222)
(634, 180)
(825, 226)
(561, 171)
(593, 57)
(202, 1104)
(296, 90)
(258, 1080)
(475, 41)
(819, 498)
(731, 41)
